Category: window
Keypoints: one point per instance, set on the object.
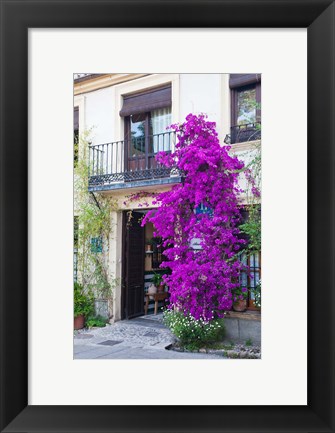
(150, 126)
(253, 261)
(146, 114)
(75, 135)
(251, 280)
(245, 107)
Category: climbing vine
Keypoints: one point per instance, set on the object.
(252, 226)
(198, 221)
(144, 200)
(94, 228)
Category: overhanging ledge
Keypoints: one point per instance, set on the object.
(135, 184)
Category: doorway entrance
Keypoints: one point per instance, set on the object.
(141, 267)
(133, 266)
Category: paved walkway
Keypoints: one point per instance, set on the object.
(142, 338)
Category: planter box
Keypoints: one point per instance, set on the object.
(243, 326)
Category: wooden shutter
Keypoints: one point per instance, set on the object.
(239, 80)
(145, 101)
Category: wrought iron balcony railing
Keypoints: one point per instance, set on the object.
(243, 133)
(129, 160)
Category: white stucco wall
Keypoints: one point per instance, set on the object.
(205, 93)
(100, 114)
(191, 93)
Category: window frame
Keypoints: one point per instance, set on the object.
(164, 100)
(239, 83)
(234, 98)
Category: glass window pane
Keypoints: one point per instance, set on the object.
(160, 119)
(243, 259)
(244, 280)
(137, 130)
(246, 106)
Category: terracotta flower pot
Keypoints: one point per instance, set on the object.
(79, 322)
(240, 305)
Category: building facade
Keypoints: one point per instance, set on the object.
(128, 116)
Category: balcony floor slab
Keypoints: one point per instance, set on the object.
(135, 184)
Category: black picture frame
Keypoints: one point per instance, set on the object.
(17, 16)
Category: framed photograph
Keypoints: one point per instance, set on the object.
(127, 70)
(132, 280)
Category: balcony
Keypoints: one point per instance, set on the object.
(131, 163)
(244, 133)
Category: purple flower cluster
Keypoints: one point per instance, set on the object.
(252, 182)
(202, 279)
(140, 195)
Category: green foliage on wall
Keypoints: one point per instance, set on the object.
(252, 227)
(94, 228)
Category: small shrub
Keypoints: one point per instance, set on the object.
(248, 343)
(192, 347)
(193, 333)
(96, 322)
(83, 302)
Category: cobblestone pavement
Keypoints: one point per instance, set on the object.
(142, 338)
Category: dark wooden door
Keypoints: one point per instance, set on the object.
(133, 287)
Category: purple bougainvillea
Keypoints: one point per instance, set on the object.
(198, 221)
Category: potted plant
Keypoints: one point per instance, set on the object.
(240, 299)
(157, 279)
(83, 306)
